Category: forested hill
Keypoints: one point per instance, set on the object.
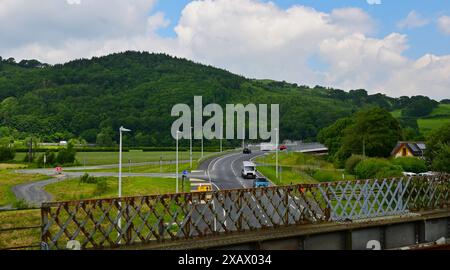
(90, 99)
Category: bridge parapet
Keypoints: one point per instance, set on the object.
(118, 222)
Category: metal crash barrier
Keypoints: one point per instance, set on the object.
(112, 223)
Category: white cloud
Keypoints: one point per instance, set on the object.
(254, 38)
(413, 20)
(444, 24)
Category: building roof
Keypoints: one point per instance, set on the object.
(416, 148)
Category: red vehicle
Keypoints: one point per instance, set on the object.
(283, 147)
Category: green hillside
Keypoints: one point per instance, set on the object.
(437, 118)
(90, 99)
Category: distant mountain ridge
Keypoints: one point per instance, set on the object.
(91, 98)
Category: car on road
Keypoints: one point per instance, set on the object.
(260, 182)
(283, 147)
(248, 169)
(247, 151)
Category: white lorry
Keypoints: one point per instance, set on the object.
(248, 169)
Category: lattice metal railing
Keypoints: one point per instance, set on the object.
(109, 223)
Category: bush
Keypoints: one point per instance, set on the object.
(101, 187)
(324, 176)
(352, 162)
(441, 162)
(87, 179)
(411, 164)
(67, 155)
(377, 168)
(50, 159)
(7, 153)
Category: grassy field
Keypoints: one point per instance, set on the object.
(131, 186)
(297, 168)
(15, 219)
(8, 179)
(103, 158)
(151, 168)
(396, 113)
(428, 124)
(437, 118)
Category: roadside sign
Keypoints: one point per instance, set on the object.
(185, 172)
(203, 188)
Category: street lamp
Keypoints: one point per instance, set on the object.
(176, 185)
(243, 136)
(121, 129)
(190, 151)
(276, 155)
(202, 144)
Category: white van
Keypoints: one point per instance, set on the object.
(248, 169)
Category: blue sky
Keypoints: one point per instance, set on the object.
(423, 40)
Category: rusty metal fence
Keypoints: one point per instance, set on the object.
(110, 223)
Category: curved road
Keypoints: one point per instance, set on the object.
(224, 172)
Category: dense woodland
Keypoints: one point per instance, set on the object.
(88, 100)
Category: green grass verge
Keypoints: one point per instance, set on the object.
(105, 158)
(131, 186)
(15, 219)
(9, 179)
(298, 168)
(151, 168)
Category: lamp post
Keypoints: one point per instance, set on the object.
(221, 137)
(202, 144)
(190, 151)
(121, 129)
(176, 185)
(276, 152)
(243, 136)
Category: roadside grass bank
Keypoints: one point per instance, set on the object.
(150, 168)
(298, 168)
(107, 187)
(106, 158)
(9, 179)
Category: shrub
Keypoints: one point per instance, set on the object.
(377, 168)
(324, 176)
(87, 179)
(67, 155)
(352, 162)
(101, 186)
(411, 164)
(50, 159)
(7, 153)
(441, 162)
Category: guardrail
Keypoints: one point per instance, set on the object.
(111, 223)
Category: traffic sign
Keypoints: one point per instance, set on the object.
(185, 172)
